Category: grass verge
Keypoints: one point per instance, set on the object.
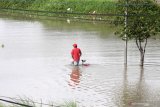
(82, 9)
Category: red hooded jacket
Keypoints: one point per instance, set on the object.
(76, 53)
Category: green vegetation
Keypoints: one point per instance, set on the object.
(30, 103)
(70, 8)
(69, 104)
(2, 105)
(27, 102)
(83, 6)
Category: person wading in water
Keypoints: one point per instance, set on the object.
(76, 54)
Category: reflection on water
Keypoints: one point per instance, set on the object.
(137, 93)
(134, 97)
(75, 76)
(36, 57)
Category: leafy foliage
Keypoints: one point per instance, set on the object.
(143, 19)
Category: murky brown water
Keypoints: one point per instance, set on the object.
(35, 63)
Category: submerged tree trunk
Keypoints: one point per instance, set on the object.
(142, 59)
(141, 49)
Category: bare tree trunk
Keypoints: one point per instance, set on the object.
(142, 59)
(141, 50)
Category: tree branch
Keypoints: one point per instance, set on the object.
(137, 44)
(145, 45)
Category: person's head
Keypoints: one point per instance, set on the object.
(75, 45)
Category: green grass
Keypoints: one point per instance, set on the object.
(68, 104)
(29, 102)
(76, 6)
(84, 6)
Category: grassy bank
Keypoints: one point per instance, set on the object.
(89, 9)
(82, 6)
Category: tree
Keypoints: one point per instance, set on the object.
(143, 21)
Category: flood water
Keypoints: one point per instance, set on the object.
(35, 63)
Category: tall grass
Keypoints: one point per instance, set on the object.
(28, 102)
(34, 104)
(81, 9)
(83, 6)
